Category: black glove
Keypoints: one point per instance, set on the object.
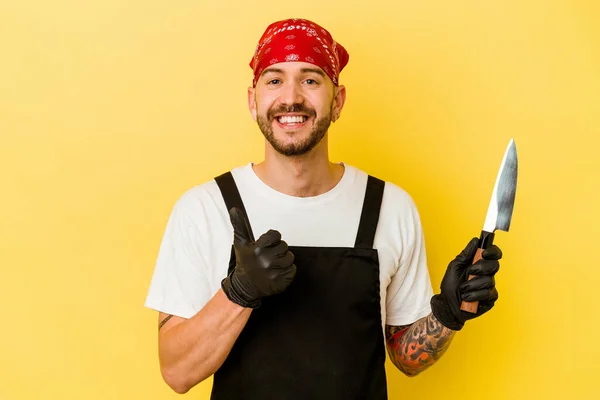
(456, 287)
(262, 268)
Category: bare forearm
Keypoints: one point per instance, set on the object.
(194, 349)
(415, 348)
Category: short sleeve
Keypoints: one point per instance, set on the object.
(180, 284)
(410, 291)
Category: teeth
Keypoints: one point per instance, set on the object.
(291, 119)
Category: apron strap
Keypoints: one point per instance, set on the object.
(231, 194)
(370, 213)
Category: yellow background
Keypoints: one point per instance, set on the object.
(110, 110)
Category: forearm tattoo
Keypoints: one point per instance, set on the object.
(416, 347)
(164, 321)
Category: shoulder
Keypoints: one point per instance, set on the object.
(197, 198)
(399, 211)
(203, 205)
(395, 198)
(208, 193)
(204, 201)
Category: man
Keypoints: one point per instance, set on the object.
(304, 320)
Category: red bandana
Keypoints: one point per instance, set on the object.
(299, 40)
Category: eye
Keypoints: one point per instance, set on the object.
(311, 81)
(273, 82)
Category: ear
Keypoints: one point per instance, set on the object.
(252, 102)
(338, 102)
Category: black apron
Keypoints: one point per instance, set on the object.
(322, 338)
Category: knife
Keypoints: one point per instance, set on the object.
(500, 209)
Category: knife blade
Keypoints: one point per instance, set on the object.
(500, 210)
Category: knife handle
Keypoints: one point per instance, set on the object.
(485, 240)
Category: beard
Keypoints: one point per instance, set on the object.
(318, 131)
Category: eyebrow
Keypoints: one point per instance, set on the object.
(272, 70)
(317, 71)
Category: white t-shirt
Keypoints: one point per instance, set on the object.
(196, 247)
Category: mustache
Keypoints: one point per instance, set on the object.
(292, 108)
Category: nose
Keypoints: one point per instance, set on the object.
(291, 93)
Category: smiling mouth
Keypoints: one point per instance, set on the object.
(291, 119)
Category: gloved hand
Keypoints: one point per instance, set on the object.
(262, 268)
(456, 287)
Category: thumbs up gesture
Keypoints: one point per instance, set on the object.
(263, 267)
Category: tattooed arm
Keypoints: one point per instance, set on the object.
(414, 348)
